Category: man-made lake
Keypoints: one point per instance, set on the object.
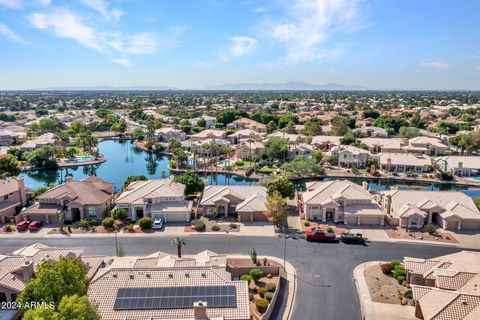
(124, 159)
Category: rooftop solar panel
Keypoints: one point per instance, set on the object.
(175, 297)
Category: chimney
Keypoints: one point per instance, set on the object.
(200, 310)
(365, 185)
(389, 204)
(22, 190)
(27, 270)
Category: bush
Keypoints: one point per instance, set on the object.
(119, 214)
(394, 263)
(430, 228)
(199, 225)
(215, 228)
(145, 223)
(249, 171)
(256, 274)
(306, 223)
(261, 305)
(239, 163)
(268, 296)
(329, 229)
(261, 291)
(400, 279)
(408, 294)
(398, 271)
(233, 226)
(84, 224)
(246, 277)
(250, 296)
(7, 228)
(130, 228)
(108, 223)
(271, 287)
(386, 268)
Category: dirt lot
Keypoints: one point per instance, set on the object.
(439, 236)
(383, 288)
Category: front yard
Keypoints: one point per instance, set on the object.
(386, 283)
(436, 236)
(314, 225)
(207, 224)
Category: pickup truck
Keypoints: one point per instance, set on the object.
(321, 236)
(353, 238)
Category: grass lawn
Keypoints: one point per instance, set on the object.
(245, 164)
(267, 170)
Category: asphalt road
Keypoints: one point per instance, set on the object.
(325, 286)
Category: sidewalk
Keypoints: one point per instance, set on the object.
(374, 310)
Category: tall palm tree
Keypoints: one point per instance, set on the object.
(179, 242)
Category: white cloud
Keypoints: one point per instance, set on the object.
(434, 65)
(12, 4)
(10, 34)
(122, 61)
(66, 24)
(103, 7)
(240, 46)
(18, 4)
(143, 43)
(309, 26)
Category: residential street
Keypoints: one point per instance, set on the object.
(325, 286)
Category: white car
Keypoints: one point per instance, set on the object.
(158, 224)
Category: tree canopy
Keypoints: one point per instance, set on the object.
(9, 166)
(131, 179)
(192, 181)
(282, 185)
(276, 148)
(302, 167)
(70, 307)
(277, 209)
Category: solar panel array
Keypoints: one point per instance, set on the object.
(175, 297)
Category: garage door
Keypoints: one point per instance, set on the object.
(352, 220)
(452, 225)
(51, 219)
(370, 220)
(175, 217)
(470, 224)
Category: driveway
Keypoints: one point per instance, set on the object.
(325, 286)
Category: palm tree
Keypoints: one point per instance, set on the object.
(179, 242)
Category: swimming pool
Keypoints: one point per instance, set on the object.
(81, 159)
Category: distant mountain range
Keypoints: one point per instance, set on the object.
(286, 86)
(297, 86)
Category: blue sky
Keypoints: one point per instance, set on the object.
(432, 44)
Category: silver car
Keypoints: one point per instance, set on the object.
(158, 224)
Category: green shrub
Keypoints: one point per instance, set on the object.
(430, 228)
(7, 228)
(271, 287)
(239, 163)
(394, 263)
(145, 223)
(119, 214)
(261, 291)
(199, 225)
(398, 271)
(215, 228)
(408, 294)
(246, 277)
(261, 305)
(400, 279)
(250, 296)
(108, 223)
(306, 223)
(256, 274)
(84, 224)
(249, 171)
(233, 226)
(130, 228)
(268, 296)
(329, 229)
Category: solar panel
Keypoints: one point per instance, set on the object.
(175, 297)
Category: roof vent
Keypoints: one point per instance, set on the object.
(187, 275)
(170, 275)
(204, 275)
(115, 275)
(464, 302)
(147, 275)
(131, 276)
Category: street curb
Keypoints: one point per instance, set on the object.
(366, 304)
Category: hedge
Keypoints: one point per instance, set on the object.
(261, 305)
(145, 223)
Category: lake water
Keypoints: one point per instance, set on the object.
(124, 159)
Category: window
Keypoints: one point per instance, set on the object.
(5, 197)
(92, 212)
(3, 297)
(13, 297)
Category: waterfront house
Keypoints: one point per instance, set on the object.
(166, 133)
(341, 201)
(289, 137)
(451, 210)
(89, 198)
(208, 134)
(403, 162)
(247, 202)
(350, 156)
(300, 150)
(40, 141)
(160, 198)
(13, 196)
(246, 149)
(426, 145)
(244, 134)
(378, 145)
(463, 166)
(9, 137)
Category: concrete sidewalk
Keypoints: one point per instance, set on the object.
(374, 310)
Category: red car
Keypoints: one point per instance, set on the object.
(35, 225)
(319, 235)
(22, 225)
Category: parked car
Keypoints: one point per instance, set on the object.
(321, 236)
(22, 225)
(35, 225)
(157, 224)
(353, 238)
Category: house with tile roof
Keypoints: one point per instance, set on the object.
(451, 210)
(246, 123)
(370, 131)
(246, 149)
(17, 269)
(40, 141)
(350, 156)
(13, 196)
(247, 202)
(403, 162)
(379, 145)
(341, 201)
(9, 137)
(325, 142)
(89, 198)
(162, 286)
(157, 199)
(245, 135)
(462, 166)
(426, 145)
(164, 134)
(209, 134)
(446, 287)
